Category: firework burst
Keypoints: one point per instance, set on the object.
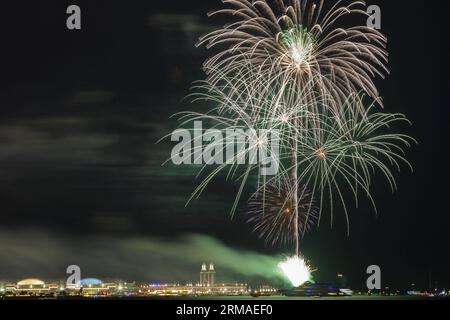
(286, 66)
(239, 106)
(272, 212)
(300, 41)
(342, 157)
(334, 160)
(296, 269)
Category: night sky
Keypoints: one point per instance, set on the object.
(81, 180)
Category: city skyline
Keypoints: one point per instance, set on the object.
(205, 285)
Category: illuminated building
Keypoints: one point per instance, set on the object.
(31, 287)
(211, 274)
(92, 287)
(88, 288)
(207, 286)
(207, 276)
(96, 287)
(204, 275)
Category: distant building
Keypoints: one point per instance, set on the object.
(207, 286)
(212, 275)
(95, 287)
(87, 287)
(31, 287)
(92, 287)
(207, 277)
(204, 275)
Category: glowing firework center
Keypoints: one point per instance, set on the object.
(299, 46)
(296, 269)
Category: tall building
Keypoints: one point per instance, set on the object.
(204, 276)
(207, 276)
(211, 275)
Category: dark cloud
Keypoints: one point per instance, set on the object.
(89, 98)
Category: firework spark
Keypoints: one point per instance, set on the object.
(342, 157)
(286, 65)
(272, 212)
(335, 160)
(252, 109)
(298, 40)
(296, 269)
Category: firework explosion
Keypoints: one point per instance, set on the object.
(271, 210)
(286, 66)
(299, 40)
(334, 160)
(342, 157)
(296, 269)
